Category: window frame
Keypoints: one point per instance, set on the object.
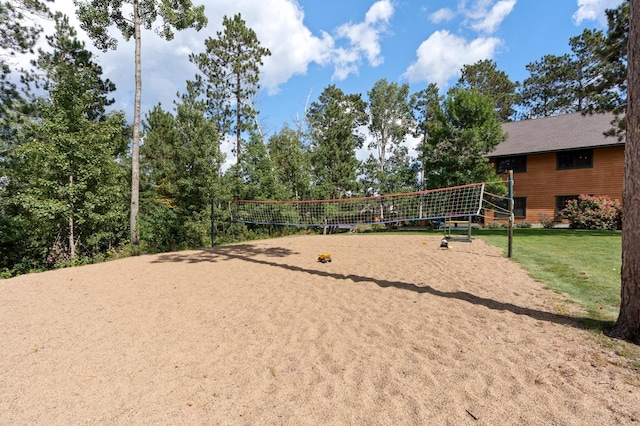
(565, 199)
(573, 157)
(520, 165)
(516, 201)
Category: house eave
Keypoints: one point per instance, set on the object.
(514, 154)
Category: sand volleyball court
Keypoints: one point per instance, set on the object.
(393, 331)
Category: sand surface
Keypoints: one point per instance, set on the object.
(394, 331)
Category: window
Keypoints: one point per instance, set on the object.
(562, 200)
(519, 208)
(579, 159)
(516, 163)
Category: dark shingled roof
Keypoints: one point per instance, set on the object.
(559, 133)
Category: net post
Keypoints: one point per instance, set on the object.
(511, 217)
(213, 224)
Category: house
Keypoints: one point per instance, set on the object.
(555, 159)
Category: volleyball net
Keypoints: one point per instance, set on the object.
(434, 204)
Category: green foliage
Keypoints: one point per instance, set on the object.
(390, 123)
(494, 225)
(402, 172)
(549, 90)
(291, 162)
(522, 225)
(425, 105)
(259, 182)
(589, 212)
(593, 74)
(333, 122)
(18, 34)
(489, 81)
(65, 190)
(592, 78)
(464, 130)
(179, 160)
(197, 230)
(231, 70)
(97, 16)
(614, 54)
(159, 225)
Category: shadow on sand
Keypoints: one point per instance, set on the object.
(248, 253)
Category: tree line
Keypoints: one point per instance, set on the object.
(72, 170)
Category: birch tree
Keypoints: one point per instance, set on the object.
(130, 17)
(390, 123)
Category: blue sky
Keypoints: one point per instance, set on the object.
(353, 43)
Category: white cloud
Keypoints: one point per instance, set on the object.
(165, 66)
(279, 26)
(346, 62)
(379, 11)
(443, 54)
(442, 15)
(364, 40)
(490, 22)
(441, 57)
(593, 10)
(486, 15)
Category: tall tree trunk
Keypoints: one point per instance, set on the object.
(72, 242)
(238, 134)
(628, 324)
(135, 160)
(238, 120)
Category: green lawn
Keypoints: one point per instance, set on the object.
(583, 264)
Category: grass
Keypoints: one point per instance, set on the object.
(584, 265)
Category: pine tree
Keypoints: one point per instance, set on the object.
(333, 125)
(550, 88)
(179, 160)
(17, 33)
(464, 130)
(230, 68)
(489, 81)
(627, 325)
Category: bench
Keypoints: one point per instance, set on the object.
(456, 224)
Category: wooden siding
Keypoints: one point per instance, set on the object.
(542, 182)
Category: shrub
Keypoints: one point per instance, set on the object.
(588, 212)
(495, 225)
(547, 221)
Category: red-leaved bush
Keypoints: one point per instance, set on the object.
(589, 212)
